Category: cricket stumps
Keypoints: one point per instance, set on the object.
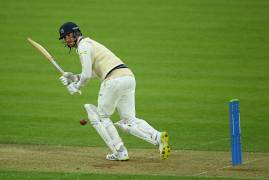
(235, 132)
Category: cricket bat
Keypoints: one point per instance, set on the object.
(47, 55)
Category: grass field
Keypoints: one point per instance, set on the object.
(190, 58)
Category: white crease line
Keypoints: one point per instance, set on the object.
(201, 173)
(244, 163)
(228, 166)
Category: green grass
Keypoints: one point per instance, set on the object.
(45, 175)
(189, 57)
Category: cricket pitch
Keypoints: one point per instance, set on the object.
(48, 158)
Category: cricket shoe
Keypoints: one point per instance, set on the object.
(118, 156)
(164, 147)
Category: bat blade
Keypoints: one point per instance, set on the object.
(45, 53)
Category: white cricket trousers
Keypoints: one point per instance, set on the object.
(117, 93)
(120, 93)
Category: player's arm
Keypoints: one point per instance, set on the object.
(75, 82)
(84, 52)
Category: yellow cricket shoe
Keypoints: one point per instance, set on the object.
(164, 147)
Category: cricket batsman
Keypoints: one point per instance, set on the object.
(117, 91)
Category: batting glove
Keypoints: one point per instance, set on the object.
(68, 77)
(73, 88)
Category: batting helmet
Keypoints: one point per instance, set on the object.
(68, 27)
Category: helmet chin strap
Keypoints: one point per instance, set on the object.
(70, 48)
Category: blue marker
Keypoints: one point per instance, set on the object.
(235, 132)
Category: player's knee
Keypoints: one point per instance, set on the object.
(104, 118)
(103, 113)
(128, 120)
(94, 122)
(106, 122)
(125, 124)
(92, 114)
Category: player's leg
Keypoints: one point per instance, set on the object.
(99, 127)
(129, 123)
(108, 98)
(139, 127)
